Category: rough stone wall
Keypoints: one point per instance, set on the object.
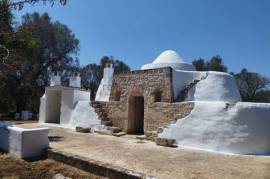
(114, 111)
(145, 83)
(160, 115)
(157, 115)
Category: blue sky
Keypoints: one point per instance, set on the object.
(137, 31)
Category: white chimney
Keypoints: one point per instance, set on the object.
(55, 79)
(104, 89)
(75, 80)
(108, 74)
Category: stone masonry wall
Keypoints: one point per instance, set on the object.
(116, 112)
(145, 83)
(161, 115)
(157, 115)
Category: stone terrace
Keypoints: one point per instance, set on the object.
(146, 157)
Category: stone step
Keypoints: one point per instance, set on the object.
(166, 142)
(114, 129)
(106, 123)
(119, 134)
(140, 137)
(83, 129)
(104, 132)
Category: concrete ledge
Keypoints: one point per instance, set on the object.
(95, 167)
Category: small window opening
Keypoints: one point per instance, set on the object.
(157, 96)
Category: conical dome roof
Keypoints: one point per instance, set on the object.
(168, 56)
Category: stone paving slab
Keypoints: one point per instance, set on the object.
(95, 167)
(146, 157)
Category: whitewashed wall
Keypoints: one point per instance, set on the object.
(42, 109)
(84, 116)
(67, 106)
(24, 143)
(217, 86)
(241, 129)
(70, 98)
(73, 108)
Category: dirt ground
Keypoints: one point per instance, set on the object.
(11, 168)
(161, 162)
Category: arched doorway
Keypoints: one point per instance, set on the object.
(136, 113)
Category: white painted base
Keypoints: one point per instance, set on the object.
(24, 143)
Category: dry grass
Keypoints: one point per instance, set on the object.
(11, 168)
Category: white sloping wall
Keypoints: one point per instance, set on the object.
(76, 110)
(242, 129)
(217, 86)
(70, 98)
(182, 78)
(84, 116)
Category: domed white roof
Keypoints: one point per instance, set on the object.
(168, 56)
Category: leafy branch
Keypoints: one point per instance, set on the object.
(4, 59)
(20, 4)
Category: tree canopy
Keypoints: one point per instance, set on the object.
(31, 51)
(214, 64)
(52, 47)
(252, 86)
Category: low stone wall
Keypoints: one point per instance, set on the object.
(114, 111)
(160, 115)
(156, 115)
(163, 114)
(95, 167)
